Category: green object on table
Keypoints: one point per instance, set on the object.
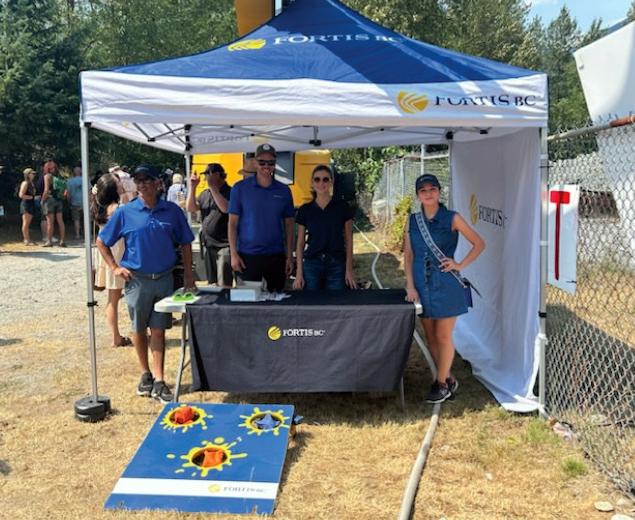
(183, 296)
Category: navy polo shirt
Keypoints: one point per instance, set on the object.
(325, 227)
(150, 235)
(262, 212)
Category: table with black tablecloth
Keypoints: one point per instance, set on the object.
(324, 341)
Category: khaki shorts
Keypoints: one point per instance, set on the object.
(52, 206)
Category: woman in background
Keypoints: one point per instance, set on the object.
(27, 203)
(433, 283)
(107, 193)
(327, 262)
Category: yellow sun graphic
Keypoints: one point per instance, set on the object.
(250, 421)
(184, 417)
(210, 456)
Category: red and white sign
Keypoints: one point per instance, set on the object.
(563, 236)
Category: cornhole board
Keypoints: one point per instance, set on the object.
(218, 461)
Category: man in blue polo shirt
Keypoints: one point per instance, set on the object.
(261, 227)
(152, 229)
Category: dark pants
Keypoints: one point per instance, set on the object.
(324, 272)
(270, 267)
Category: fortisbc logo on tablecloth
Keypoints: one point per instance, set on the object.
(275, 333)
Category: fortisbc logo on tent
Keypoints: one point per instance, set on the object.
(473, 209)
(247, 45)
(485, 214)
(411, 102)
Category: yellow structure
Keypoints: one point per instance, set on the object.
(298, 180)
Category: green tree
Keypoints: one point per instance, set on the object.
(39, 62)
(494, 29)
(631, 12)
(562, 37)
(421, 19)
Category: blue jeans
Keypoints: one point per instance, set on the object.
(324, 272)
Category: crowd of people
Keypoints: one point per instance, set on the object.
(248, 233)
(47, 196)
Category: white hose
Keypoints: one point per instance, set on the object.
(417, 337)
(417, 469)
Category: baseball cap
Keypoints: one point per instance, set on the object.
(427, 178)
(146, 169)
(214, 168)
(265, 148)
(114, 168)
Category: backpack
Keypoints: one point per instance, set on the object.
(59, 185)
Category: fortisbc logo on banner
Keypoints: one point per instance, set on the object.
(412, 102)
(247, 45)
(274, 333)
(481, 213)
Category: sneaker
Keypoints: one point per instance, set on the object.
(47, 244)
(145, 385)
(439, 392)
(62, 244)
(161, 392)
(453, 385)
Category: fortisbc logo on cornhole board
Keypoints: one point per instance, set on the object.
(274, 333)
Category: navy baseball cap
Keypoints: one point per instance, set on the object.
(146, 169)
(427, 178)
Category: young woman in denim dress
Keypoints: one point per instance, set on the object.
(432, 283)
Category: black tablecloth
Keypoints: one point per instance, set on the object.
(330, 341)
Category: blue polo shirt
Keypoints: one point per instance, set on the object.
(262, 212)
(150, 235)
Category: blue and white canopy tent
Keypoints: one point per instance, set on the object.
(320, 75)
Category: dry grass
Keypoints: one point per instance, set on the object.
(350, 460)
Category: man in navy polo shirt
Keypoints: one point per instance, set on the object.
(261, 227)
(152, 229)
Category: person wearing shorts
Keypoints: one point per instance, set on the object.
(151, 229)
(52, 206)
(213, 203)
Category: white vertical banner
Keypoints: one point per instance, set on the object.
(496, 188)
(563, 236)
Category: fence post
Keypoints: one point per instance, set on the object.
(542, 312)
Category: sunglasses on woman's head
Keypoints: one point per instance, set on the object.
(322, 179)
(262, 162)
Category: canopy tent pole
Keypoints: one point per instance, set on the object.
(94, 407)
(542, 314)
(188, 166)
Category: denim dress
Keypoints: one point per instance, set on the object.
(441, 295)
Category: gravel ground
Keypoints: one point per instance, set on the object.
(45, 284)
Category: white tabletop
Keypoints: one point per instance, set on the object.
(168, 304)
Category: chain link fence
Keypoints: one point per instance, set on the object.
(590, 371)
(398, 181)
